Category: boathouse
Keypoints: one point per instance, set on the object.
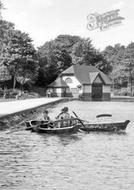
(81, 81)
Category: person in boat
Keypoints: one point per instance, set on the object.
(45, 116)
(46, 119)
(63, 116)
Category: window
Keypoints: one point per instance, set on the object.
(68, 80)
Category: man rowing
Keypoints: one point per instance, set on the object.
(64, 114)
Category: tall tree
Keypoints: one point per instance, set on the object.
(4, 75)
(53, 59)
(84, 53)
(115, 56)
(20, 56)
(129, 64)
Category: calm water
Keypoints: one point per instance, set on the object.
(98, 161)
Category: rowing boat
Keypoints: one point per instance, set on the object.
(55, 127)
(106, 126)
(63, 130)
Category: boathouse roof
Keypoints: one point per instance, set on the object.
(86, 74)
(58, 83)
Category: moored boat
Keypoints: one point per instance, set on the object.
(105, 126)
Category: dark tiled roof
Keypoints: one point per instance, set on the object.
(58, 83)
(86, 74)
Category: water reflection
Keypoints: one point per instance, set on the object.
(69, 139)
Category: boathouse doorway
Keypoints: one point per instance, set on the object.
(97, 89)
(97, 92)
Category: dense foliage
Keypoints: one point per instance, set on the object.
(121, 59)
(17, 54)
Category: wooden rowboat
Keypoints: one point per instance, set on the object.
(106, 126)
(63, 130)
(56, 127)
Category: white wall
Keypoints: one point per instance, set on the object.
(106, 89)
(58, 90)
(75, 82)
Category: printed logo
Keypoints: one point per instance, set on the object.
(104, 21)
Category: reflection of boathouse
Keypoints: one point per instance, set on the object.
(80, 81)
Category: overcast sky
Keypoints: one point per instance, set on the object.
(45, 19)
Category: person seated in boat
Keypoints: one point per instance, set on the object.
(46, 119)
(45, 116)
(63, 116)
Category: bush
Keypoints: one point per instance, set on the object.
(123, 92)
(33, 95)
(25, 95)
(10, 93)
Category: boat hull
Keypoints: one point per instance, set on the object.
(63, 130)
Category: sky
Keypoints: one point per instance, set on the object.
(46, 19)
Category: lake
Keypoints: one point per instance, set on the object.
(83, 161)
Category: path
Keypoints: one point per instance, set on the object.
(21, 105)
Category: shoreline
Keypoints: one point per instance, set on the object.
(7, 121)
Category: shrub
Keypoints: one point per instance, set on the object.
(122, 92)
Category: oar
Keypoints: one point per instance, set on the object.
(15, 128)
(79, 119)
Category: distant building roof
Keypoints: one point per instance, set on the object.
(58, 83)
(86, 74)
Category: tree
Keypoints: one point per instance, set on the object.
(115, 56)
(67, 42)
(53, 59)
(129, 64)
(4, 75)
(20, 56)
(84, 53)
(6, 29)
